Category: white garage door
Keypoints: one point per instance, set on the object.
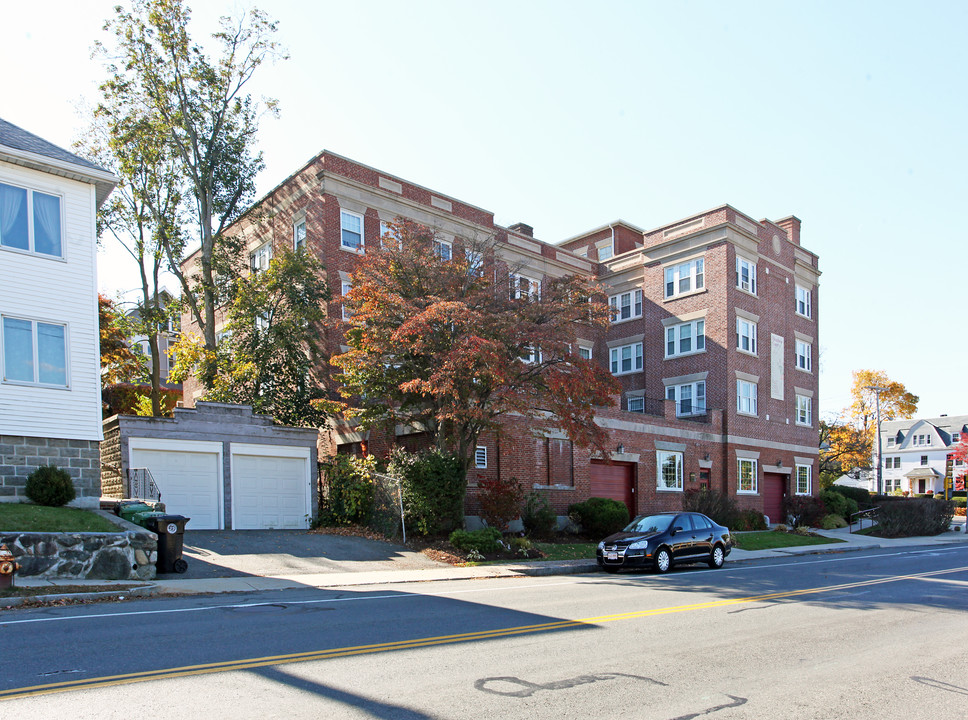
(270, 490)
(188, 481)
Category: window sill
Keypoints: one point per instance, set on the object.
(746, 292)
(747, 492)
(33, 253)
(43, 386)
(805, 317)
(747, 352)
(679, 296)
(803, 425)
(803, 370)
(356, 251)
(538, 486)
(627, 372)
(625, 320)
(685, 354)
(746, 414)
(668, 490)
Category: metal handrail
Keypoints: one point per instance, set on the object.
(860, 514)
(141, 485)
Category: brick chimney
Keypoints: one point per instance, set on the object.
(792, 227)
(522, 229)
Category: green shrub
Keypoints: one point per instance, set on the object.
(500, 501)
(717, 506)
(433, 490)
(347, 497)
(859, 495)
(749, 519)
(484, 541)
(599, 517)
(538, 518)
(803, 510)
(838, 503)
(914, 517)
(959, 502)
(49, 485)
(833, 521)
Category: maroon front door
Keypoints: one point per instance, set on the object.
(774, 488)
(612, 481)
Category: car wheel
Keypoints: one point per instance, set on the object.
(663, 561)
(717, 558)
(610, 568)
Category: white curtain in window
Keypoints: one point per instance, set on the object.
(13, 228)
(18, 350)
(47, 224)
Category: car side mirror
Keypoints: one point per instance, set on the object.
(676, 529)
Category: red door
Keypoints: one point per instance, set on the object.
(613, 481)
(774, 488)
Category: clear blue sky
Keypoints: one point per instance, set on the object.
(566, 115)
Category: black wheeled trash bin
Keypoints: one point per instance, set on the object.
(170, 530)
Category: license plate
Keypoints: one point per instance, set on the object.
(612, 556)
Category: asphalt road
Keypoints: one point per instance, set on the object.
(872, 635)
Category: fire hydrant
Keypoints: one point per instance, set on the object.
(7, 568)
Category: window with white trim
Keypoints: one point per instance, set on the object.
(802, 305)
(475, 262)
(746, 275)
(605, 252)
(804, 410)
(443, 249)
(746, 397)
(669, 470)
(803, 479)
(531, 355)
(31, 221)
(626, 358)
(388, 234)
(299, 235)
(804, 355)
(34, 352)
(685, 338)
(690, 398)
(585, 353)
(684, 278)
(745, 335)
(626, 305)
(262, 322)
(746, 476)
(924, 460)
(636, 403)
(480, 457)
(955, 438)
(260, 258)
(351, 230)
(345, 287)
(524, 287)
(890, 442)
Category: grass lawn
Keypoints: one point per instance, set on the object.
(22, 517)
(770, 539)
(567, 551)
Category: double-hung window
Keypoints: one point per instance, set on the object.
(260, 258)
(345, 287)
(475, 262)
(351, 230)
(523, 287)
(746, 475)
(34, 352)
(804, 410)
(746, 275)
(636, 403)
(30, 220)
(804, 355)
(745, 335)
(802, 305)
(690, 398)
(585, 353)
(626, 358)
(443, 249)
(626, 305)
(803, 479)
(669, 466)
(746, 397)
(389, 234)
(684, 277)
(685, 338)
(299, 235)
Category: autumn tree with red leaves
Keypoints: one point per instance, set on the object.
(961, 453)
(449, 341)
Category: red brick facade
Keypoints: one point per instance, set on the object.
(703, 446)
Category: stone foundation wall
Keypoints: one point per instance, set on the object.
(20, 456)
(129, 554)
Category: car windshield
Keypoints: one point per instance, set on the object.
(650, 524)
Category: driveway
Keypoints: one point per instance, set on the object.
(241, 553)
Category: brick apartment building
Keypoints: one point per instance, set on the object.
(714, 341)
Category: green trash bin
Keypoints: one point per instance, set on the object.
(128, 511)
(170, 530)
(142, 518)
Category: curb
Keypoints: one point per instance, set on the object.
(141, 591)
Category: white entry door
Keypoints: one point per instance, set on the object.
(188, 475)
(271, 487)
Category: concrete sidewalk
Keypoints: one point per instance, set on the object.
(251, 583)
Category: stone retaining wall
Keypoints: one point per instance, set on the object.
(129, 554)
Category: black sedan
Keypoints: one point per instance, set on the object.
(663, 540)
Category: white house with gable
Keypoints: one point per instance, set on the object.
(915, 453)
(50, 386)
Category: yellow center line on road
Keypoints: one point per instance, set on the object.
(228, 666)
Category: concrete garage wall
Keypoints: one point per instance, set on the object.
(208, 422)
(128, 554)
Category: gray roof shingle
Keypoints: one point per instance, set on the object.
(19, 139)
